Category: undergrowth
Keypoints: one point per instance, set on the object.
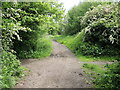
(43, 49)
(66, 40)
(11, 70)
(73, 42)
(94, 68)
(104, 76)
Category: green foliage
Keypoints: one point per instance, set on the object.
(24, 29)
(93, 50)
(11, 70)
(73, 42)
(101, 27)
(95, 39)
(100, 58)
(74, 16)
(78, 46)
(43, 49)
(10, 26)
(104, 77)
(66, 40)
(94, 68)
(42, 19)
(111, 78)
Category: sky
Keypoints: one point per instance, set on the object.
(68, 4)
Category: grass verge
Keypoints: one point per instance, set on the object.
(66, 40)
(43, 49)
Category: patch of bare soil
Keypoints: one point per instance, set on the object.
(60, 70)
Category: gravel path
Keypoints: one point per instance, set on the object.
(60, 70)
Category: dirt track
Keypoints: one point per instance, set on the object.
(60, 70)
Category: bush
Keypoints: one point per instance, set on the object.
(79, 46)
(111, 78)
(101, 26)
(10, 65)
(42, 19)
(11, 70)
(100, 34)
(43, 49)
(74, 15)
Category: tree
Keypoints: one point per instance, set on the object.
(74, 15)
(42, 18)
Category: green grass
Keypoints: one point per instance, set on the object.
(86, 58)
(43, 49)
(66, 40)
(94, 68)
(91, 58)
(93, 71)
(103, 76)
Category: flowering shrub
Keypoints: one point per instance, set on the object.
(101, 28)
(10, 65)
(101, 25)
(24, 27)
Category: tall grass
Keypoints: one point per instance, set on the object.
(43, 49)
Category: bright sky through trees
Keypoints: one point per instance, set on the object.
(68, 4)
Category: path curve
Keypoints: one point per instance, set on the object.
(60, 70)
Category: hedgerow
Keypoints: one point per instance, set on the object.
(10, 65)
(25, 26)
(101, 27)
(100, 33)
